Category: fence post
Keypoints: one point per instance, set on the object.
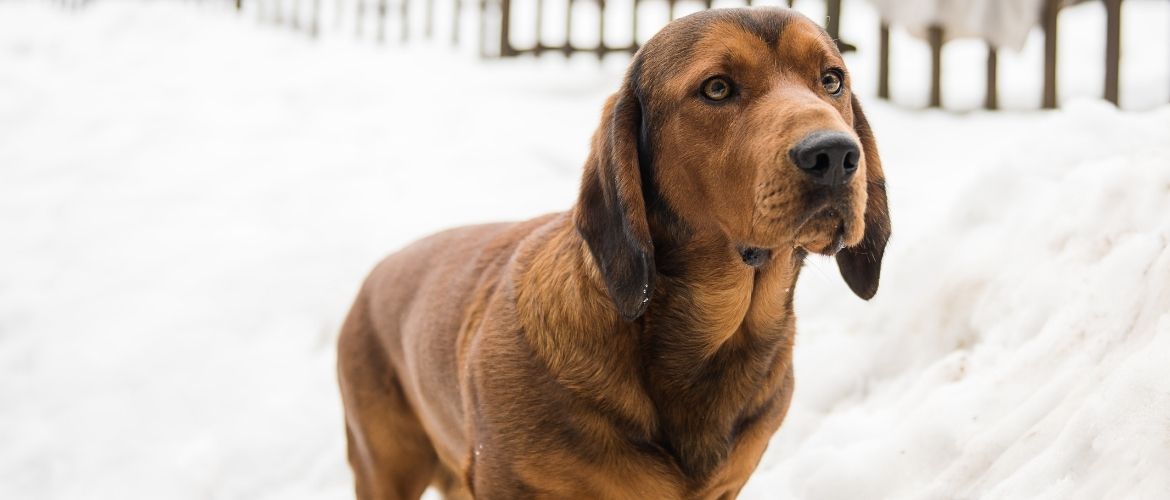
(506, 26)
(601, 29)
(884, 61)
(429, 29)
(935, 34)
(482, 34)
(315, 22)
(833, 24)
(457, 6)
(1051, 12)
(359, 12)
(539, 27)
(1112, 51)
(634, 27)
(991, 98)
(404, 14)
(568, 48)
(381, 36)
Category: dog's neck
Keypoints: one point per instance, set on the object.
(717, 340)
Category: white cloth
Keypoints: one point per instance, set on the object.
(1003, 23)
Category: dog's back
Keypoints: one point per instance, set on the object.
(410, 312)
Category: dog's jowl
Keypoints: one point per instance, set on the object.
(640, 344)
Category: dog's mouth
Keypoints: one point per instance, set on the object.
(827, 223)
(822, 231)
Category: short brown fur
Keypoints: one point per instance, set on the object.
(624, 349)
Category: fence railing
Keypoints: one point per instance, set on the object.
(507, 23)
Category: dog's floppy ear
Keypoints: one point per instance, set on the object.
(610, 213)
(861, 265)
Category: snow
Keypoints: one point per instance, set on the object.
(189, 200)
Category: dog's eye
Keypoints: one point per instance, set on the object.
(832, 82)
(717, 89)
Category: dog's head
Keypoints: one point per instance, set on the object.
(741, 122)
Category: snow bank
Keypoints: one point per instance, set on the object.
(1018, 347)
(188, 202)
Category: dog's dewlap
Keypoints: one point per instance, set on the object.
(754, 256)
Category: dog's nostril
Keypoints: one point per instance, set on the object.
(822, 163)
(850, 161)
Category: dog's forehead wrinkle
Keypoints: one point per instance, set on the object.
(766, 24)
(811, 46)
(674, 51)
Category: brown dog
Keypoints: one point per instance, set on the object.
(640, 345)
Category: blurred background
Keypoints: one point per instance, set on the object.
(192, 191)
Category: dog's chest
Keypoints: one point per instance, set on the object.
(717, 424)
(717, 411)
(711, 463)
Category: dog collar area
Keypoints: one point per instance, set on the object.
(755, 256)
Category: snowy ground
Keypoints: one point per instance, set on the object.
(189, 200)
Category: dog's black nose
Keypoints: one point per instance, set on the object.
(828, 157)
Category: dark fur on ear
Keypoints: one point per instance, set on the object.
(861, 265)
(611, 213)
